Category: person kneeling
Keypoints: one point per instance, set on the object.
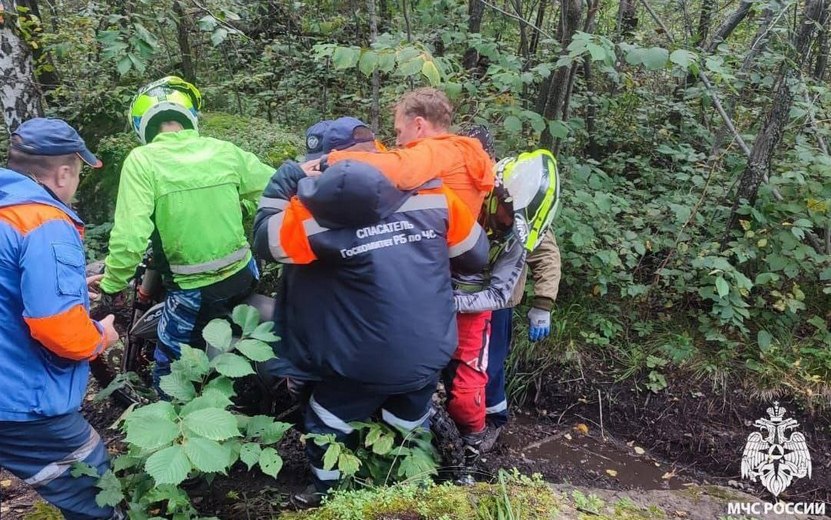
(366, 301)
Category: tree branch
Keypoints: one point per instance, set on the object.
(519, 18)
(729, 25)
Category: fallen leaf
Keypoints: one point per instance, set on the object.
(567, 436)
(681, 514)
(582, 429)
(639, 450)
(5, 483)
(611, 472)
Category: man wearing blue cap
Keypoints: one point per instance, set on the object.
(47, 337)
(342, 134)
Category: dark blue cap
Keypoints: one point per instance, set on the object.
(314, 139)
(49, 136)
(341, 134)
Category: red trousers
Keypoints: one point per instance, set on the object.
(466, 376)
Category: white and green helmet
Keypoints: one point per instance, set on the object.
(168, 99)
(530, 185)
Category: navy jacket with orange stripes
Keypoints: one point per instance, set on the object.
(366, 293)
(46, 334)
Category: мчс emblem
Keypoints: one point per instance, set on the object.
(778, 457)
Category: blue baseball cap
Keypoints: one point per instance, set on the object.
(314, 139)
(50, 136)
(341, 134)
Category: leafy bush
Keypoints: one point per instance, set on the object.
(380, 458)
(194, 435)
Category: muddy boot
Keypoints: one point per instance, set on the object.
(309, 498)
(489, 439)
(472, 445)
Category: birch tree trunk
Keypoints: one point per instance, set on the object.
(20, 95)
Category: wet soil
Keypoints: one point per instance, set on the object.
(698, 432)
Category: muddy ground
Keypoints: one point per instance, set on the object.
(652, 449)
(645, 445)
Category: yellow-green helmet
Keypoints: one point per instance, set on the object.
(168, 99)
(529, 185)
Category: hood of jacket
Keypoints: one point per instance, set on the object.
(17, 188)
(350, 194)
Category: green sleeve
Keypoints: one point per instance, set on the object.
(133, 225)
(254, 175)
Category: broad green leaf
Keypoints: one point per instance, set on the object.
(373, 436)
(123, 462)
(411, 67)
(453, 90)
(598, 52)
(193, 363)
(348, 463)
(270, 462)
(218, 334)
(150, 433)
(368, 62)
(168, 466)
(765, 339)
(384, 445)
(345, 57)
(722, 287)
(218, 36)
(232, 365)
(264, 332)
(431, 73)
(124, 64)
(682, 58)
(222, 385)
(386, 62)
(178, 385)
(513, 124)
(255, 350)
(558, 129)
(250, 454)
(275, 432)
(655, 58)
(162, 409)
(212, 423)
(82, 469)
(111, 494)
(330, 458)
(209, 399)
(175, 497)
(258, 425)
(207, 455)
(247, 317)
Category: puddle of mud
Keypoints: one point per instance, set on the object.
(610, 459)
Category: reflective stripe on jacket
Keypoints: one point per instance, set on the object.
(46, 334)
(189, 189)
(366, 292)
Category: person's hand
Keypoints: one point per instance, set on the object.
(539, 324)
(106, 301)
(312, 168)
(110, 334)
(93, 287)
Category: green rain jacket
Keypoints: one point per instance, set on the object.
(185, 191)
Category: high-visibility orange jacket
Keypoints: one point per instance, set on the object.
(460, 162)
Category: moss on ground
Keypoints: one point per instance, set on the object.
(516, 497)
